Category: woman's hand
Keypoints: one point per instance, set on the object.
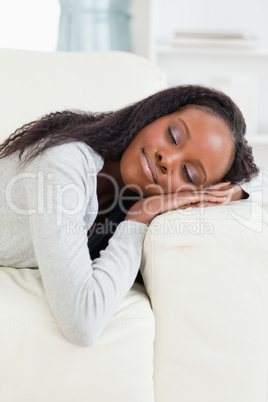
(146, 209)
(236, 193)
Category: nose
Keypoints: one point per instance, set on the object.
(167, 161)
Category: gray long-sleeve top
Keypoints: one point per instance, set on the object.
(46, 210)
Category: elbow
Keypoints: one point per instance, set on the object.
(88, 341)
(82, 336)
(85, 343)
(82, 340)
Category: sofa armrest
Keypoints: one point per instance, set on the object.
(206, 273)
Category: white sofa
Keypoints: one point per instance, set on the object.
(197, 332)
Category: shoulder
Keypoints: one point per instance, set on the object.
(65, 178)
(74, 155)
(72, 164)
(74, 158)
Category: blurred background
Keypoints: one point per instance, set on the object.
(34, 24)
(223, 44)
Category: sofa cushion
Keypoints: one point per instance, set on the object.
(39, 364)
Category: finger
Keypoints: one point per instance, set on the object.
(219, 185)
(190, 206)
(213, 204)
(216, 192)
(211, 198)
(190, 201)
(203, 204)
(207, 197)
(220, 193)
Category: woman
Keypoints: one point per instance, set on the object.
(180, 147)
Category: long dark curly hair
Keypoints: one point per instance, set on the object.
(110, 133)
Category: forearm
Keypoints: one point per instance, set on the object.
(85, 294)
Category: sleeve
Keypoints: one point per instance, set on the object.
(83, 294)
(257, 189)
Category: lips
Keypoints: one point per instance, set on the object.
(149, 167)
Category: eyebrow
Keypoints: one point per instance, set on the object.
(186, 129)
(202, 168)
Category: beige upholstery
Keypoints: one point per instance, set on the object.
(206, 272)
(39, 364)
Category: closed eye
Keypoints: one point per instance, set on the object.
(187, 173)
(172, 136)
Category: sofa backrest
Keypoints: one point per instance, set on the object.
(35, 83)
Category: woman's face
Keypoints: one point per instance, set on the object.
(182, 151)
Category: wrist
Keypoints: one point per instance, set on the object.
(239, 193)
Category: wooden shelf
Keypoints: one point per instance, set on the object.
(207, 50)
(258, 139)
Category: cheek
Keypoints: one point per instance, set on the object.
(177, 187)
(129, 170)
(125, 168)
(175, 183)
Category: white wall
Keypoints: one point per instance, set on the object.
(29, 24)
(246, 15)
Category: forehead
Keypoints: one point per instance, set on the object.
(202, 121)
(198, 112)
